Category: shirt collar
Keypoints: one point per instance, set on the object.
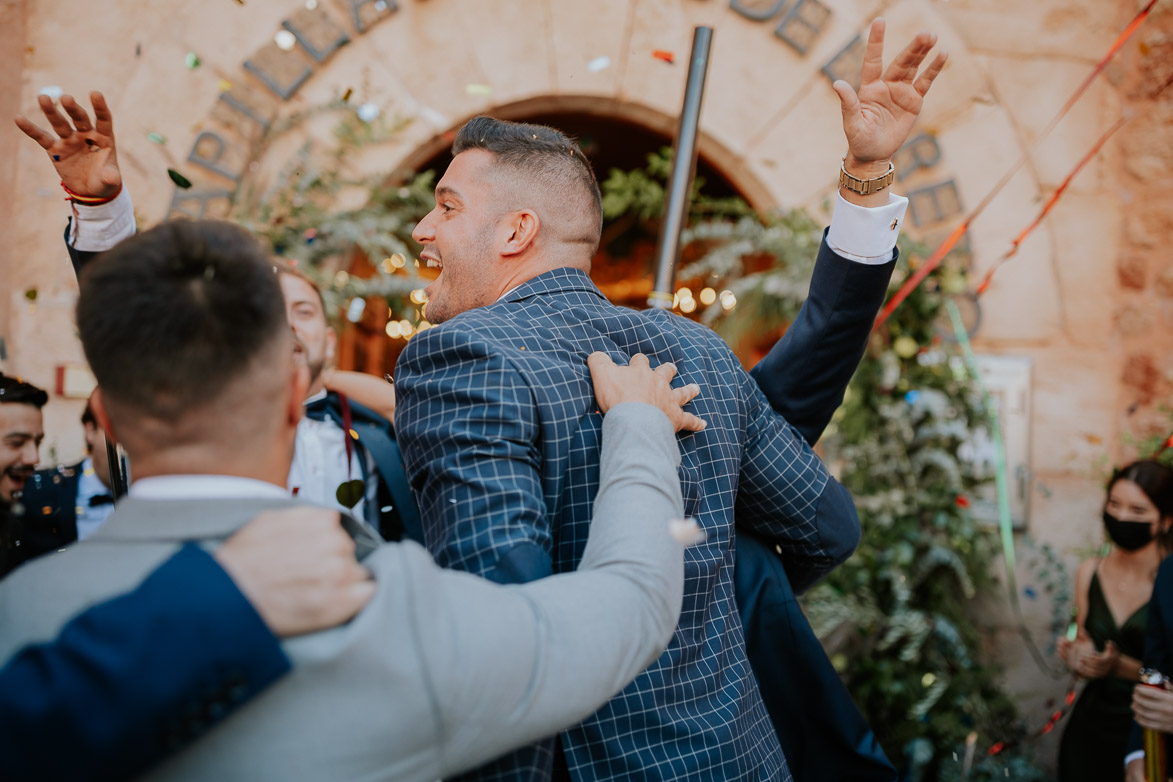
(203, 487)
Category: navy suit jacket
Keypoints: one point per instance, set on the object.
(500, 431)
(133, 679)
(1158, 644)
(48, 516)
(823, 734)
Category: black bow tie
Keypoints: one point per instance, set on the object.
(101, 499)
(317, 409)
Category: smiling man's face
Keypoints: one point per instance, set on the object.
(458, 237)
(21, 433)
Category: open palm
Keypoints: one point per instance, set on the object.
(83, 152)
(878, 119)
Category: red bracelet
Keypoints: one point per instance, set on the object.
(89, 200)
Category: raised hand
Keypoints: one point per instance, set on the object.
(878, 118)
(638, 382)
(83, 152)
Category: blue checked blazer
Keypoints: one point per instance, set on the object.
(500, 434)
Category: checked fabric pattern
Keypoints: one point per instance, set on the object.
(497, 420)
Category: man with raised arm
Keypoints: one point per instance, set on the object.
(501, 435)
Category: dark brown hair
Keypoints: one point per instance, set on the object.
(171, 316)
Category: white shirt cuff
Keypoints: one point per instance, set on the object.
(98, 228)
(1131, 756)
(866, 234)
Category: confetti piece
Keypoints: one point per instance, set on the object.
(31, 294)
(666, 56)
(285, 40)
(311, 4)
(478, 89)
(240, 2)
(368, 112)
(53, 91)
(686, 532)
(1030, 593)
(598, 64)
(380, 5)
(158, 138)
(179, 179)
(349, 493)
(192, 60)
(138, 49)
(346, 95)
(355, 310)
(912, 396)
(225, 85)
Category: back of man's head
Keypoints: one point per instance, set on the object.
(183, 319)
(546, 170)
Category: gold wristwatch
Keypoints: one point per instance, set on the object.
(865, 186)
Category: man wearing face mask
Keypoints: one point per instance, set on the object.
(1112, 600)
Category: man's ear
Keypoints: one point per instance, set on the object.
(520, 232)
(98, 405)
(331, 344)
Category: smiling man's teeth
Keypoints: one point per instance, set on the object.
(434, 264)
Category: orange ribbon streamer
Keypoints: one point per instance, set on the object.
(950, 242)
(1018, 240)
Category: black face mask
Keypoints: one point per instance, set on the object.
(1128, 535)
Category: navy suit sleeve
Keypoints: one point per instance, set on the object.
(805, 374)
(79, 258)
(135, 678)
(1158, 645)
(469, 425)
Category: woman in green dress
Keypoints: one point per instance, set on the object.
(1111, 596)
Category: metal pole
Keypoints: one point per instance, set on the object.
(119, 478)
(683, 169)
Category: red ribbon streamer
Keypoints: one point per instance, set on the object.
(1018, 240)
(958, 232)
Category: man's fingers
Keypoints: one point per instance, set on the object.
(690, 423)
(667, 370)
(56, 119)
(904, 66)
(926, 79)
(103, 119)
(848, 100)
(873, 54)
(639, 360)
(599, 362)
(81, 120)
(35, 133)
(685, 394)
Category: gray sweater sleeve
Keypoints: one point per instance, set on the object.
(506, 665)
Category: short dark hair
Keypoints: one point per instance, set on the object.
(87, 416)
(18, 391)
(541, 153)
(170, 317)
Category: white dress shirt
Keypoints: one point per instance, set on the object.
(89, 485)
(320, 465)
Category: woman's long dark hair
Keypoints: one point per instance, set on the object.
(1156, 481)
